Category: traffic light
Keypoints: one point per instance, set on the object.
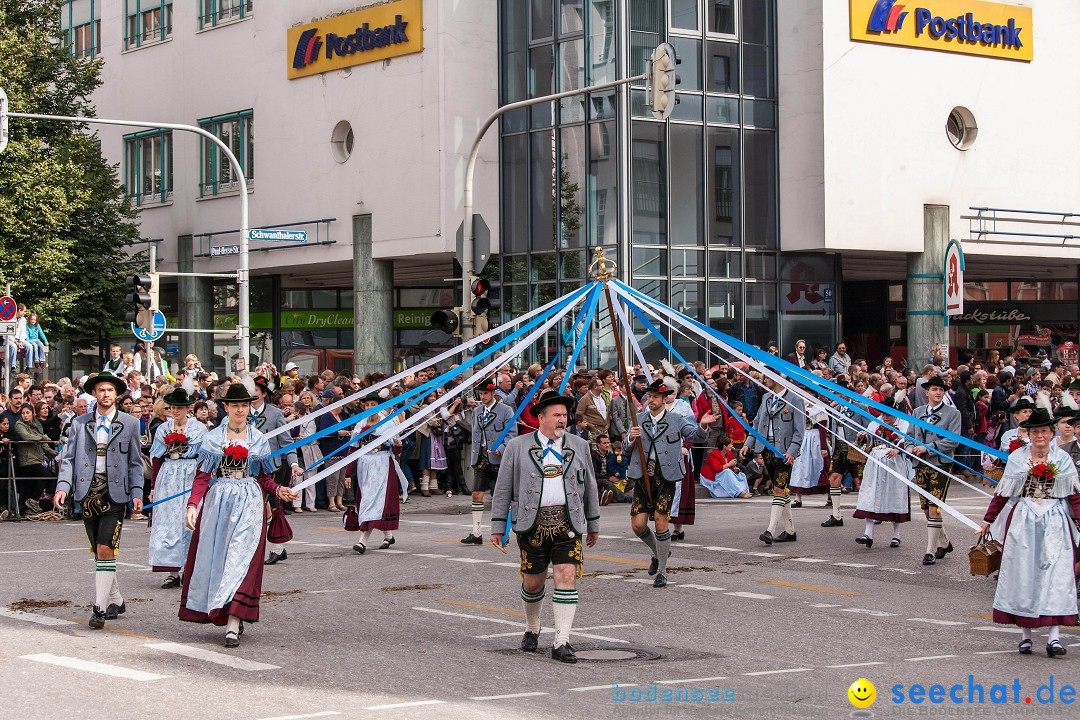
(662, 80)
(480, 303)
(449, 321)
(143, 299)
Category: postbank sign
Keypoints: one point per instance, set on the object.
(368, 35)
(969, 27)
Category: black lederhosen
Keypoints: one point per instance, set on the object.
(102, 517)
(484, 480)
(931, 479)
(843, 465)
(777, 469)
(550, 542)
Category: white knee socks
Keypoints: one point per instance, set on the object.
(789, 522)
(532, 603)
(477, 518)
(776, 515)
(104, 578)
(869, 529)
(835, 495)
(233, 625)
(565, 603)
(275, 548)
(933, 532)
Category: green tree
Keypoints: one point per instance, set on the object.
(66, 227)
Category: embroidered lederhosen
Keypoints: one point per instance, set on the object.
(551, 541)
(663, 490)
(102, 518)
(778, 470)
(929, 477)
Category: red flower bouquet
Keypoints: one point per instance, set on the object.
(1015, 444)
(1043, 471)
(175, 438)
(236, 453)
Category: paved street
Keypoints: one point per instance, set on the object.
(430, 628)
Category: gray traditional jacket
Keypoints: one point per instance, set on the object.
(782, 417)
(123, 458)
(663, 443)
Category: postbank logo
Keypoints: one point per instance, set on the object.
(368, 35)
(969, 27)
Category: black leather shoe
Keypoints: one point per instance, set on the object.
(472, 540)
(654, 565)
(529, 641)
(766, 537)
(1025, 647)
(678, 535)
(660, 581)
(797, 504)
(941, 552)
(786, 537)
(564, 654)
(833, 522)
(232, 640)
(97, 618)
(114, 611)
(865, 540)
(171, 582)
(277, 557)
(360, 548)
(287, 509)
(1054, 649)
(928, 559)
(386, 544)
(895, 543)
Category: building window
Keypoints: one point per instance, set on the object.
(80, 25)
(218, 12)
(216, 173)
(148, 166)
(146, 22)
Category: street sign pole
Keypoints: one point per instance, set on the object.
(243, 275)
(150, 344)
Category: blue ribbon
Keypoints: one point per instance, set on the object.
(433, 383)
(827, 387)
(749, 428)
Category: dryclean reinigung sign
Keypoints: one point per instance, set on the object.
(969, 27)
(368, 35)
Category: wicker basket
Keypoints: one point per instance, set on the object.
(995, 473)
(985, 556)
(855, 454)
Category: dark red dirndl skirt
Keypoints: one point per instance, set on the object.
(391, 507)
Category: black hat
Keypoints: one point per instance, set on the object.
(1039, 418)
(549, 398)
(935, 381)
(237, 393)
(106, 376)
(374, 397)
(1023, 403)
(1064, 413)
(683, 373)
(265, 385)
(659, 387)
(488, 385)
(180, 398)
(641, 378)
(1074, 385)
(1075, 418)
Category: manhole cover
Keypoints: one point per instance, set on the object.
(606, 655)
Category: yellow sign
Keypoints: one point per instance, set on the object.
(375, 33)
(862, 693)
(971, 27)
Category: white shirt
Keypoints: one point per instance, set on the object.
(600, 404)
(102, 431)
(20, 330)
(554, 492)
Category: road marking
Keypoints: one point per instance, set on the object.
(645, 581)
(32, 617)
(902, 570)
(551, 630)
(508, 697)
(324, 713)
(94, 667)
(992, 628)
(718, 548)
(937, 622)
(851, 665)
(752, 596)
(589, 688)
(686, 544)
(416, 703)
(1000, 652)
(612, 537)
(320, 545)
(872, 613)
(807, 560)
(779, 672)
(84, 548)
(388, 551)
(211, 656)
(433, 556)
(811, 588)
(854, 565)
(516, 566)
(929, 657)
(517, 624)
(618, 561)
(331, 529)
(598, 577)
(474, 606)
(689, 680)
(469, 560)
(984, 616)
(709, 588)
(763, 554)
(133, 565)
(420, 522)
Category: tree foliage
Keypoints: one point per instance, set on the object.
(66, 227)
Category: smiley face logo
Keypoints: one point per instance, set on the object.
(862, 693)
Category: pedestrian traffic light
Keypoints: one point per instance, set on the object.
(662, 80)
(143, 299)
(480, 302)
(449, 321)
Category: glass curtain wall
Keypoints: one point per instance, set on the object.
(701, 195)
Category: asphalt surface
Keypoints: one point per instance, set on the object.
(430, 628)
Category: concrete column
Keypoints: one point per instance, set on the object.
(373, 304)
(60, 361)
(925, 288)
(196, 300)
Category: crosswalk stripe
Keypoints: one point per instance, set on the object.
(32, 617)
(212, 657)
(94, 667)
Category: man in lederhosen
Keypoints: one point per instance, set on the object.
(102, 461)
(266, 418)
(930, 472)
(489, 419)
(662, 434)
(781, 421)
(849, 425)
(546, 478)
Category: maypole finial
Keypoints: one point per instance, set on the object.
(602, 268)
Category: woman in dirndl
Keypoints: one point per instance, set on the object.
(379, 479)
(810, 471)
(173, 462)
(223, 575)
(1033, 513)
(883, 496)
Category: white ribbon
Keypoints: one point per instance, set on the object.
(628, 331)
